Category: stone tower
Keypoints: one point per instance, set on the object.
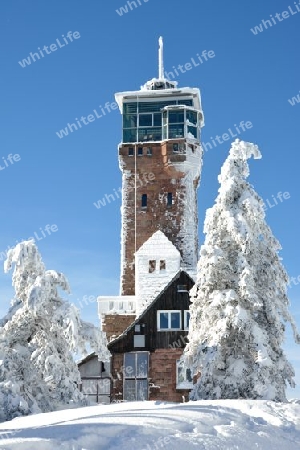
(160, 157)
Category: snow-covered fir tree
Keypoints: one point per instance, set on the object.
(239, 302)
(37, 338)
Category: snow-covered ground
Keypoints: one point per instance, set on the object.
(208, 425)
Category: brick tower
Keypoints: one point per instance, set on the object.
(160, 157)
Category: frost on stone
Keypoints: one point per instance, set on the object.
(37, 338)
(239, 302)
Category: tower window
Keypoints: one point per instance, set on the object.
(149, 151)
(144, 201)
(130, 151)
(175, 148)
(162, 265)
(140, 151)
(170, 199)
(152, 265)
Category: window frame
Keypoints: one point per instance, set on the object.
(169, 311)
(185, 321)
(186, 384)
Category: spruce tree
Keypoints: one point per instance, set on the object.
(239, 302)
(37, 339)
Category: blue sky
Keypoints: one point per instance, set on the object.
(56, 181)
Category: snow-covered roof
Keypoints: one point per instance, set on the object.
(158, 244)
(157, 94)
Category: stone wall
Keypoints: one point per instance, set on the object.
(114, 324)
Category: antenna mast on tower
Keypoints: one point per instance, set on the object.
(160, 59)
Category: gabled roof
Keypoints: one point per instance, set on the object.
(158, 242)
(86, 358)
(124, 333)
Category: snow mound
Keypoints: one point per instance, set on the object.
(207, 425)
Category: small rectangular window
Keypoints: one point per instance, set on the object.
(140, 151)
(175, 148)
(139, 340)
(149, 151)
(144, 201)
(145, 120)
(184, 379)
(130, 151)
(157, 120)
(162, 265)
(182, 288)
(168, 320)
(152, 265)
(170, 199)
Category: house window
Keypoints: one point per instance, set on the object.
(170, 199)
(136, 376)
(168, 320)
(149, 151)
(139, 340)
(140, 151)
(187, 316)
(184, 379)
(144, 201)
(130, 151)
(182, 288)
(152, 265)
(162, 265)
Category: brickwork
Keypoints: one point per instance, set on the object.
(157, 175)
(163, 374)
(117, 376)
(114, 324)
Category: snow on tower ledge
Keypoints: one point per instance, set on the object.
(156, 262)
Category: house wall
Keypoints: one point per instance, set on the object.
(164, 347)
(148, 285)
(95, 379)
(163, 374)
(114, 324)
(91, 368)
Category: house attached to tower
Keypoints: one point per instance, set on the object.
(160, 157)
